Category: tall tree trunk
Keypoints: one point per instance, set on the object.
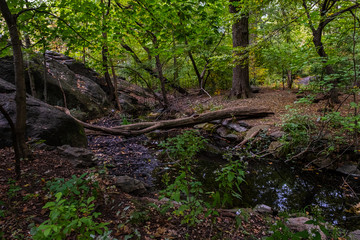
(334, 92)
(116, 94)
(240, 33)
(28, 66)
(104, 52)
(20, 98)
(176, 70)
(289, 79)
(45, 75)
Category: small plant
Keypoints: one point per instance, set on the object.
(72, 211)
(68, 218)
(299, 128)
(13, 188)
(185, 190)
(74, 188)
(184, 147)
(229, 178)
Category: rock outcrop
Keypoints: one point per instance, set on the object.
(43, 121)
(67, 80)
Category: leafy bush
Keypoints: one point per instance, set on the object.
(184, 147)
(185, 189)
(299, 128)
(72, 211)
(229, 178)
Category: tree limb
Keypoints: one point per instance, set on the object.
(145, 127)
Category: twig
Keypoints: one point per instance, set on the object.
(352, 190)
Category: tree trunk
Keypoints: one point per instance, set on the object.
(334, 92)
(20, 98)
(28, 66)
(104, 53)
(240, 33)
(45, 75)
(289, 79)
(162, 81)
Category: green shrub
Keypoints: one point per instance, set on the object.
(185, 190)
(229, 178)
(72, 211)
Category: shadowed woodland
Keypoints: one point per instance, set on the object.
(147, 119)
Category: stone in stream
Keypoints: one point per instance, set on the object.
(354, 235)
(299, 224)
(262, 208)
(349, 169)
(222, 131)
(237, 127)
(277, 134)
(130, 185)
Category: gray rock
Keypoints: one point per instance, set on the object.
(81, 157)
(130, 185)
(43, 122)
(299, 224)
(216, 121)
(349, 169)
(237, 127)
(354, 235)
(244, 124)
(225, 122)
(222, 131)
(277, 134)
(81, 90)
(262, 208)
(232, 137)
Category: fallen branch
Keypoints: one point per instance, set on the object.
(145, 127)
(247, 139)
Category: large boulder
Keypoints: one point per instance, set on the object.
(66, 77)
(43, 121)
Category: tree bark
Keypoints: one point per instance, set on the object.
(20, 98)
(144, 127)
(29, 66)
(104, 53)
(240, 34)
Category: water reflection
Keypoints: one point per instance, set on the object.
(286, 188)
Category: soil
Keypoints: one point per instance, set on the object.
(21, 201)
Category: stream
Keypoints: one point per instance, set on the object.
(290, 189)
(281, 186)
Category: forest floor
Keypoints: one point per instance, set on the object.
(22, 201)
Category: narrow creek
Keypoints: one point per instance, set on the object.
(281, 186)
(290, 189)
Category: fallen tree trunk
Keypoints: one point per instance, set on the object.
(144, 127)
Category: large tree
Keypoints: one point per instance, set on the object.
(328, 10)
(240, 33)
